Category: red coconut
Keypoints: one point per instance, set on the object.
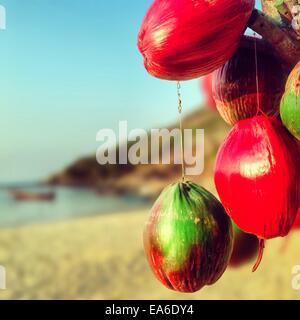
(186, 39)
(257, 179)
(296, 224)
(235, 89)
(206, 86)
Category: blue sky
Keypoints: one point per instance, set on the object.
(68, 69)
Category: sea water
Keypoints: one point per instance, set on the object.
(69, 203)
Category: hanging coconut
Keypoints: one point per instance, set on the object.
(296, 225)
(290, 103)
(188, 239)
(206, 88)
(245, 247)
(257, 177)
(235, 84)
(186, 39)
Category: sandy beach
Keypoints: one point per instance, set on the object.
(101, 257)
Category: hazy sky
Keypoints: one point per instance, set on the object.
(68, 69)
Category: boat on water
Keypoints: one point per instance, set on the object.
(32, 196)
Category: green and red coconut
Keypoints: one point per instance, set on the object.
(188, 239)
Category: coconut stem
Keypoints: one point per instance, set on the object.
(260, 254)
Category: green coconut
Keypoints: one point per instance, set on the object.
(290, 103)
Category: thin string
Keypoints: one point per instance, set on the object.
(256, 75)
(261, 241)
(181, 130)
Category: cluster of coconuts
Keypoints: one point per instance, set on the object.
(191, 237)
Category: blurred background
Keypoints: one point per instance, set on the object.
(70, 228)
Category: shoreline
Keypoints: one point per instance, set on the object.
(69, 203)
(67, 219)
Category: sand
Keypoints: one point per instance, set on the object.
(101, 257)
